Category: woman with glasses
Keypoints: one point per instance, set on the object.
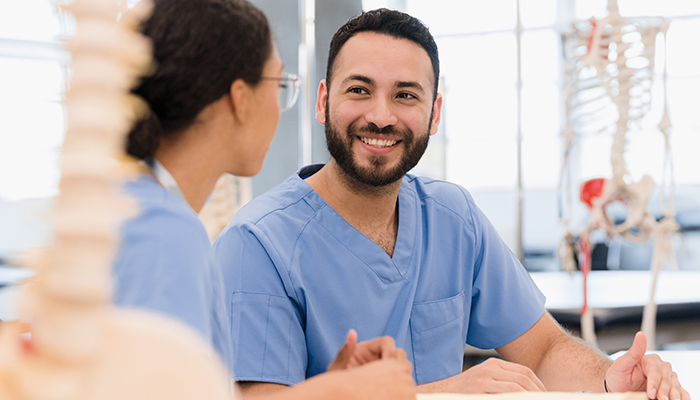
(214, 101)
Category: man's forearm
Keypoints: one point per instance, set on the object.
(560, 361)
(570, 364)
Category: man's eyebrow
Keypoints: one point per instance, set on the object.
(409, 84)
(361, 78)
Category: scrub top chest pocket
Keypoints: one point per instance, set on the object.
(438, 335)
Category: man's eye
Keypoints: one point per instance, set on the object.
(357, 90)
(406, 96)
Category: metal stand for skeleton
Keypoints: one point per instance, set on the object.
(610, 68)
(78, 346)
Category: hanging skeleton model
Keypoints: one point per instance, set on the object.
(81, 347)
(610, 66)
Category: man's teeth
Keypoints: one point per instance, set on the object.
(378, 142)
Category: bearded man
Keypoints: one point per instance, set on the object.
(358, 243)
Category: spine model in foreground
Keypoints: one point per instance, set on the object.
(78, 346)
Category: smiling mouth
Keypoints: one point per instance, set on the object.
(378, 143)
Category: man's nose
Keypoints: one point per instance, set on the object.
(381, 113)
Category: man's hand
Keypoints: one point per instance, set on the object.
(635, 371)
(491, 376)
(354, 354)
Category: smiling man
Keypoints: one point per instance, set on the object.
(360, 244)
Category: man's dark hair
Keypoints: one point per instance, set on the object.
(388, 22)
(200, 48)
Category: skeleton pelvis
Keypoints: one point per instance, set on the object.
(598, 193)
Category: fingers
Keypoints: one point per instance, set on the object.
(684, 394)
(398, 354)
(345, 353)
(387, 349)
(663, 390)
(634, 355)
(671, 389)
(402, 366)
(407, 366)
(375, 349)
(658, 375)
(382, 347)
(653, 369)
(674, 387)
(662, 381)
(519, 381)
(624, 374)
(520, 374)
(650, 374)
(496, 376)
(352, 337)
(354, 354)
(522, 370)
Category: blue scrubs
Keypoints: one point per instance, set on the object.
(165, 265)
(298, 277)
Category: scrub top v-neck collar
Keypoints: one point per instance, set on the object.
(388, 269)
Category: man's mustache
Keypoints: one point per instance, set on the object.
(387, 130)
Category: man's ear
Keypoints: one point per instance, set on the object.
(437, 112)
(241, 99)
(321, 102)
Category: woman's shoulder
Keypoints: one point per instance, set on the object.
(161, 216)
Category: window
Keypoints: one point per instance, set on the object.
(478, 48)
(32, 117)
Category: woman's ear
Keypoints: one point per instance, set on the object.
(241, 95)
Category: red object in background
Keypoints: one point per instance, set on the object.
(591, 190)
(26, 344)
(594, 23)
(585, 269)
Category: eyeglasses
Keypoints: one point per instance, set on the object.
(289, 89)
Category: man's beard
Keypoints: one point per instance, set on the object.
(341, 150)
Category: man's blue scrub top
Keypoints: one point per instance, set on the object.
(298, 277)
(165, 264)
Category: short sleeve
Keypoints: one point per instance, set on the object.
(269, 344)
(165, 273)
(505, 300)
(165, 265)
(267, 332)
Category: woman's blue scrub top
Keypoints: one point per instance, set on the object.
(165, 265)
(298, 277)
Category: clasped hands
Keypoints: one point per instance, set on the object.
(375, 368)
